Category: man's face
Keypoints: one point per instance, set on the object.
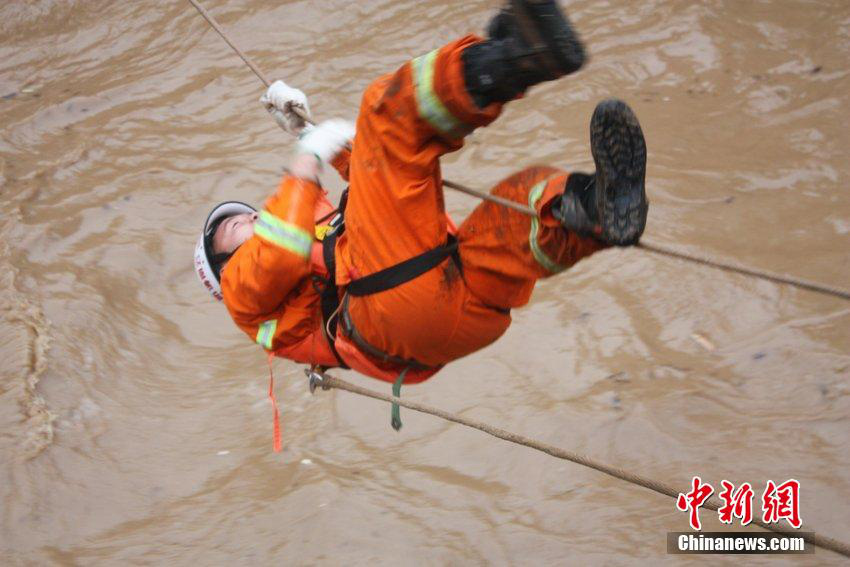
(232, 232)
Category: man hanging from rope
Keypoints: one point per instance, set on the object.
(396, 291)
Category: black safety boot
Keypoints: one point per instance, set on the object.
(611, 204)
(539, 37)
(619, 151)
(531, 41)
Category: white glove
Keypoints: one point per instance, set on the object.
(281, 100)
(327, 139)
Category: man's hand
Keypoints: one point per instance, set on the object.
(281, 100)
(327, 139)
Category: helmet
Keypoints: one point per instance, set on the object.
(205, 264)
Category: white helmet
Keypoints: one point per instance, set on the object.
(205, 265)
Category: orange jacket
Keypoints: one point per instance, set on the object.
(268, 286)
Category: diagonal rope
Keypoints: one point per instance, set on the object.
(712, 503)
(663, 250)
(208, 17)
(743, 270)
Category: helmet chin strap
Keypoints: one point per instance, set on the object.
(217, 261)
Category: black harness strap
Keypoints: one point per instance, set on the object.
(329, 294)
(402, 272)
(382, 280)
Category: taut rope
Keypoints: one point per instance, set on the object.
(712, 503)
(208, 17)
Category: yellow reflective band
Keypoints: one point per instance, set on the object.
(284, 234)
(265, 333)
(431, 108)
(542, 258)
(321, 231)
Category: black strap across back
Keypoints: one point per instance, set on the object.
(382, 280)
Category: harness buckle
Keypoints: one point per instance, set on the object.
(315, 379)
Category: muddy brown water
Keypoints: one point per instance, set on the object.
(135, 423)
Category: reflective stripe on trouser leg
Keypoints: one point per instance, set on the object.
(430, 107)
(542, 258)
(283, 234)
(265, 334)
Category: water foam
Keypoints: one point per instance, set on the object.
(24, 341)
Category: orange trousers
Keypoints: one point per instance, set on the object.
(395, 211)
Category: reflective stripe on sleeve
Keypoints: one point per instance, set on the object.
(265, 333)
(542, 258)
(284, 234)
(431, 108)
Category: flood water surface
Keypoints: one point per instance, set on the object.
(135, 422)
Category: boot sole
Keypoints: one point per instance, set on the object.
(619, 151)
(554, 44)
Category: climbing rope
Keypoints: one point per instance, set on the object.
(208, 17)
(667, 251)
(326, 382)
(644, 245)
(738, 269)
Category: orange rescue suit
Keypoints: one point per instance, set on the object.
(395, 211)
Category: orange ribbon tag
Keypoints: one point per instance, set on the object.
(277, 442)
